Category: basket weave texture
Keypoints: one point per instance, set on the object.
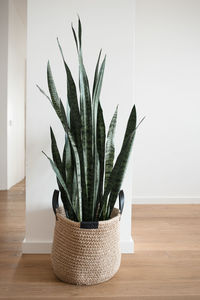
(86, 256)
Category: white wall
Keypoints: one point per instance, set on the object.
(16, 93)
(3, 92)
(167, 152)
(105, 25)
(12, 92)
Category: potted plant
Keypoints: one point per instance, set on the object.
(86, 245)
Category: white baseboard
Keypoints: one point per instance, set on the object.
(127, 246)
(166, 200)
(36, 247)
(45, 247)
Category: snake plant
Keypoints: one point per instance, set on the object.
(88, 178)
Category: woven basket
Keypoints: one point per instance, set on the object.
(83, 254)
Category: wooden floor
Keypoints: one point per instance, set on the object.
(166, 263)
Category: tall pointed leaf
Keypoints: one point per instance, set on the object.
(116, 176)
(110, 149)
(79, 33)
(86, 120)
(62, 116)
(74, 190)
(78, 172)
(55, 152)
(75, 37)
(131, 125)
(97, 91)
(96, 74)
(57, 105)
(85, 103)
(68, 164)
(52, 87)
(125, 153)
(43, 92)
(59, 108)
(66, 203)
(75, 118)
(101, 151)
(55, 100)
(57, 160)
(75, 121)
(61, 181)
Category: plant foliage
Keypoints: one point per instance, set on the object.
(88, 178)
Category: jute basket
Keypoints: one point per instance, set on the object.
(86, 253)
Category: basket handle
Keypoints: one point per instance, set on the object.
(55, 204)
(121, 201)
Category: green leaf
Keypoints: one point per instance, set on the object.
(58, 174)
(101, 151)
(74, 190)
(55, 100)
(75, 120)
(52, 88)
(62, 116)
(61, 180)
(43, 92)
(68, 210)
(110, 149)
(78, 172)
(76, 128)
(96, 163)
(55, 152)
(77, 168)
(79, 32)
(75, 38)
(96, 74)
(119, 171)
(123, 159)
(68, 164)
(99, 80)
(64, 171)
(131, 125)
(85, 103)
(116, 176)
(86, 122)
(57, 105)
